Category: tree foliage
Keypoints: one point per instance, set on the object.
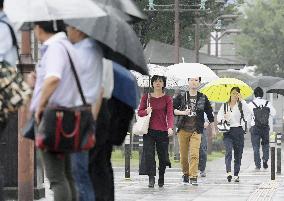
(160, 25)
(262, 38)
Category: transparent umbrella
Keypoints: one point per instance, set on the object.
(182, 71)
(143, 80)
(21, 11)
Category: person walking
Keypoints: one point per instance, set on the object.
(191, 108)
(237, 113)
(8, 53)
(56, 85)
(161, 126)
(203, 148)
(90, 55)
(262, 112)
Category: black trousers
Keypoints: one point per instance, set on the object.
(234, 140)
(160, 141)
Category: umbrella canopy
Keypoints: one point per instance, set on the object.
(42, 10)
(219, 90)
(143, 80)
(266, 81)
(125, 86)
(117, 38)
(122, 7)
(277, 88)
(183, 71)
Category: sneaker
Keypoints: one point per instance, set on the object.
(151, 181)
(257, 168)
(236, 178)
(161, 182)
(185, 179)
(202, 174)
(229, 177)
(193, 181)
(265, 165)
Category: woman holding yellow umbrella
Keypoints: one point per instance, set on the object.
(236, 112)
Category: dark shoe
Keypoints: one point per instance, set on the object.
(185, 179)
(229, 177)
(151, 181)
(202, 174)
(236, 178)
(193, 181)
(265, 165)
(161, 182)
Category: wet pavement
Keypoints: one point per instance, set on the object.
(253, 185)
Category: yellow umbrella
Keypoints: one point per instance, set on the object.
(219, 90)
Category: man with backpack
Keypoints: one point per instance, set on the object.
(261, 110)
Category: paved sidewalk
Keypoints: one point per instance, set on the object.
(254, 185)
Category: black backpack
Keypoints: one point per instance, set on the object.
(261, 115)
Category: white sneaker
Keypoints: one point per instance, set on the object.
(236, 178)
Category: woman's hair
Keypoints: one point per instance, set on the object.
(236, 89)
(159, 77)
(53, 26)
(198, 78)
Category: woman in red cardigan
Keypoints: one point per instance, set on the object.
(161, 126)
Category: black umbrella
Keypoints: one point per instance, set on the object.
(126, 6)
(117, 38)
(277, 88)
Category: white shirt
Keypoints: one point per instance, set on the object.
(8, 52)
(261, 102)
(235, 114)
(108, 78)
(90, 55)
(55, 62)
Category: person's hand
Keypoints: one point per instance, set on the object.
(148, 110)
(31, 79)
(240, 98)
(170, 132)
(213, 130)
(38, 114)
(227, 116)
(206, 124)
(187, 112)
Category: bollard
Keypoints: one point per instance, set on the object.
(278, 142)
(140, 147)
(272, 152)
(127, 156)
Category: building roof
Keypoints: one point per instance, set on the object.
(163, 54)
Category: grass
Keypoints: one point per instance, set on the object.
(119, 161)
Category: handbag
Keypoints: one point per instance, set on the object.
(14, 91)
(223, 126)
(65, 129)
(29, 129)
(141, 126)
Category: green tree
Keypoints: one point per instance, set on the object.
(262, 38)
(160, 25)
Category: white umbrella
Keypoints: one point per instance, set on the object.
(143, 80)
(183, 71)
(45, 10)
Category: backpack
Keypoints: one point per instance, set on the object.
(261, 115)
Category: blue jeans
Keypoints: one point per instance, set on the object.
(258, 134)
(203, 151)
(80, 163)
